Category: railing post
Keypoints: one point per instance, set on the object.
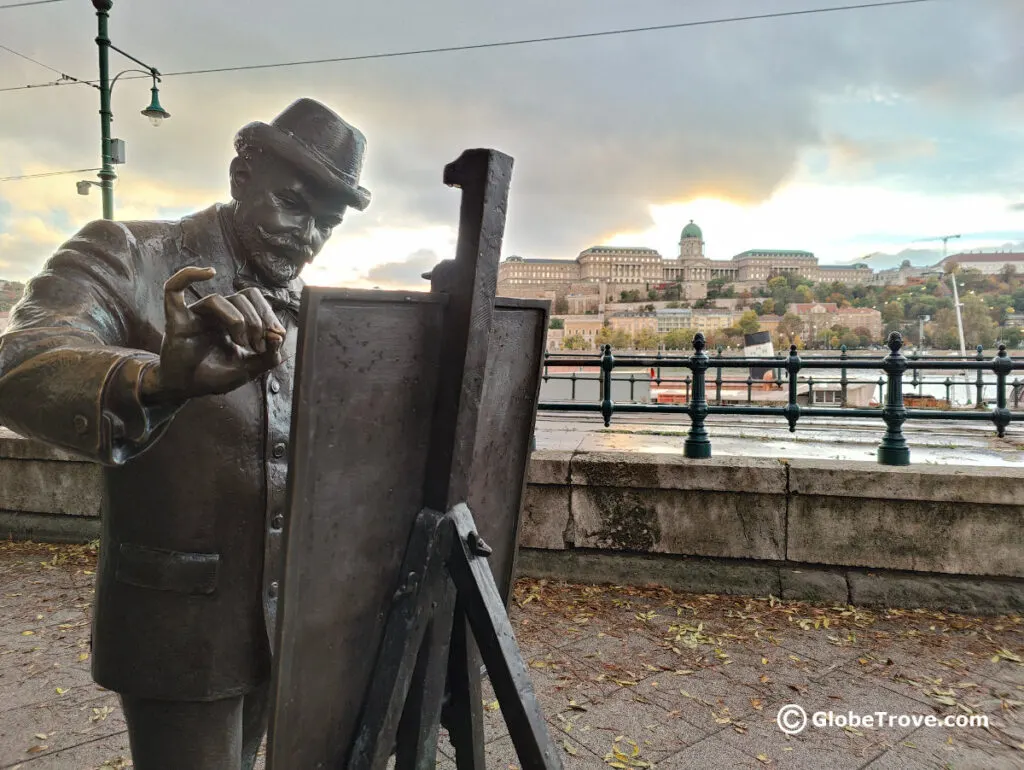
(545, 374)
(658, 369)
(810, 390)
(843, 381)
(949, 384)
(687, 381)
(632, 382)
(1002, 366)
(792, 409)
(718, 380)
(572, 394)
(1016, 392)
(607, 364)
(750, 390)
(881, 390)
(894, 450)
(698, 443)
(979, 382)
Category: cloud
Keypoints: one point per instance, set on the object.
(405, 274)
(1016, 206)
(601, 130)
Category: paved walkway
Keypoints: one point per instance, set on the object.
(628, 678)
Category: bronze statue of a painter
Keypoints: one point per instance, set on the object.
(163, 350)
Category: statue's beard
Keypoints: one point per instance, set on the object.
(277, 259)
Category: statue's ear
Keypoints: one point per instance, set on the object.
(241, 175)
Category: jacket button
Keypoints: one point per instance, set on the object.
(81, 423)
(279, 449)
(277, 522)
(274, 385)
(272, 591)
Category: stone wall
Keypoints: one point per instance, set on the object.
(832, 531)
(859, 533)
(46, 494)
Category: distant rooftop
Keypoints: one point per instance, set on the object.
(537, 261)
(621, 250)
(987, 256)
(793, 254)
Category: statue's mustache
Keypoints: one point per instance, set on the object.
(294, 248)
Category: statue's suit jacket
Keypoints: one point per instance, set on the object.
(194, 497)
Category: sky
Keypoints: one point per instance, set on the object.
(842, 133)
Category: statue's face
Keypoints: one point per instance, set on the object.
(282, 218)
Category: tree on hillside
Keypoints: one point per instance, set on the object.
(790, 326)
(557, 323)
(979, 329)
(748, 323)
(575, 342)
(678, 339)
(619, 339)
(647, 339)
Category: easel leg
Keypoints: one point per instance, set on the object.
(417, 732)
(492, 630)
(412, 610)
(464, 715)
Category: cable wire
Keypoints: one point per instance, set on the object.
(510, 43)
(48, 173)
(31, 2)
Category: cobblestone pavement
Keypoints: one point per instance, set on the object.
(628, 678)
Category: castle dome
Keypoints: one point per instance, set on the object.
(692, 231)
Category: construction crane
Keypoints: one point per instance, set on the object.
(956, 305)
(956, 294)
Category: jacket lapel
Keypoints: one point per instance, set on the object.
(203, 245)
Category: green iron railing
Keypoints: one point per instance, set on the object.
(893, 449)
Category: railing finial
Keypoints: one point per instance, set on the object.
(894, 341)
(699, 341)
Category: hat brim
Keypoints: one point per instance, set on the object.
(290, 149)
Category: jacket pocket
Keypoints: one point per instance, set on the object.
(160, 570)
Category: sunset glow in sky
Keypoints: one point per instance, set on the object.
(839, 133)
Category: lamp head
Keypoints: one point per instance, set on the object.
(154, 111)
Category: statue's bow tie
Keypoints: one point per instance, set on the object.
(279, 299)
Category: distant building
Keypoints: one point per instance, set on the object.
(586, 327)
(670, 319)
(633, 323)
(819, 316)
(769, 322)
(624, 269)
(867, 318)
(556, 338)
(985, 262)
(902, 275)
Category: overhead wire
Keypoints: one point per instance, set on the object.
(510, 43)
(29, 2)
(47, 173)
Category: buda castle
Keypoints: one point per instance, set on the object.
(624, 269)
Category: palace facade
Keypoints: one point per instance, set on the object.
(618, 269)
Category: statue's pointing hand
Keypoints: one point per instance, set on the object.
(213, 345)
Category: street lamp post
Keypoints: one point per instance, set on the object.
(154, 111)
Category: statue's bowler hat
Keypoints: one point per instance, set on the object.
(317, 141)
